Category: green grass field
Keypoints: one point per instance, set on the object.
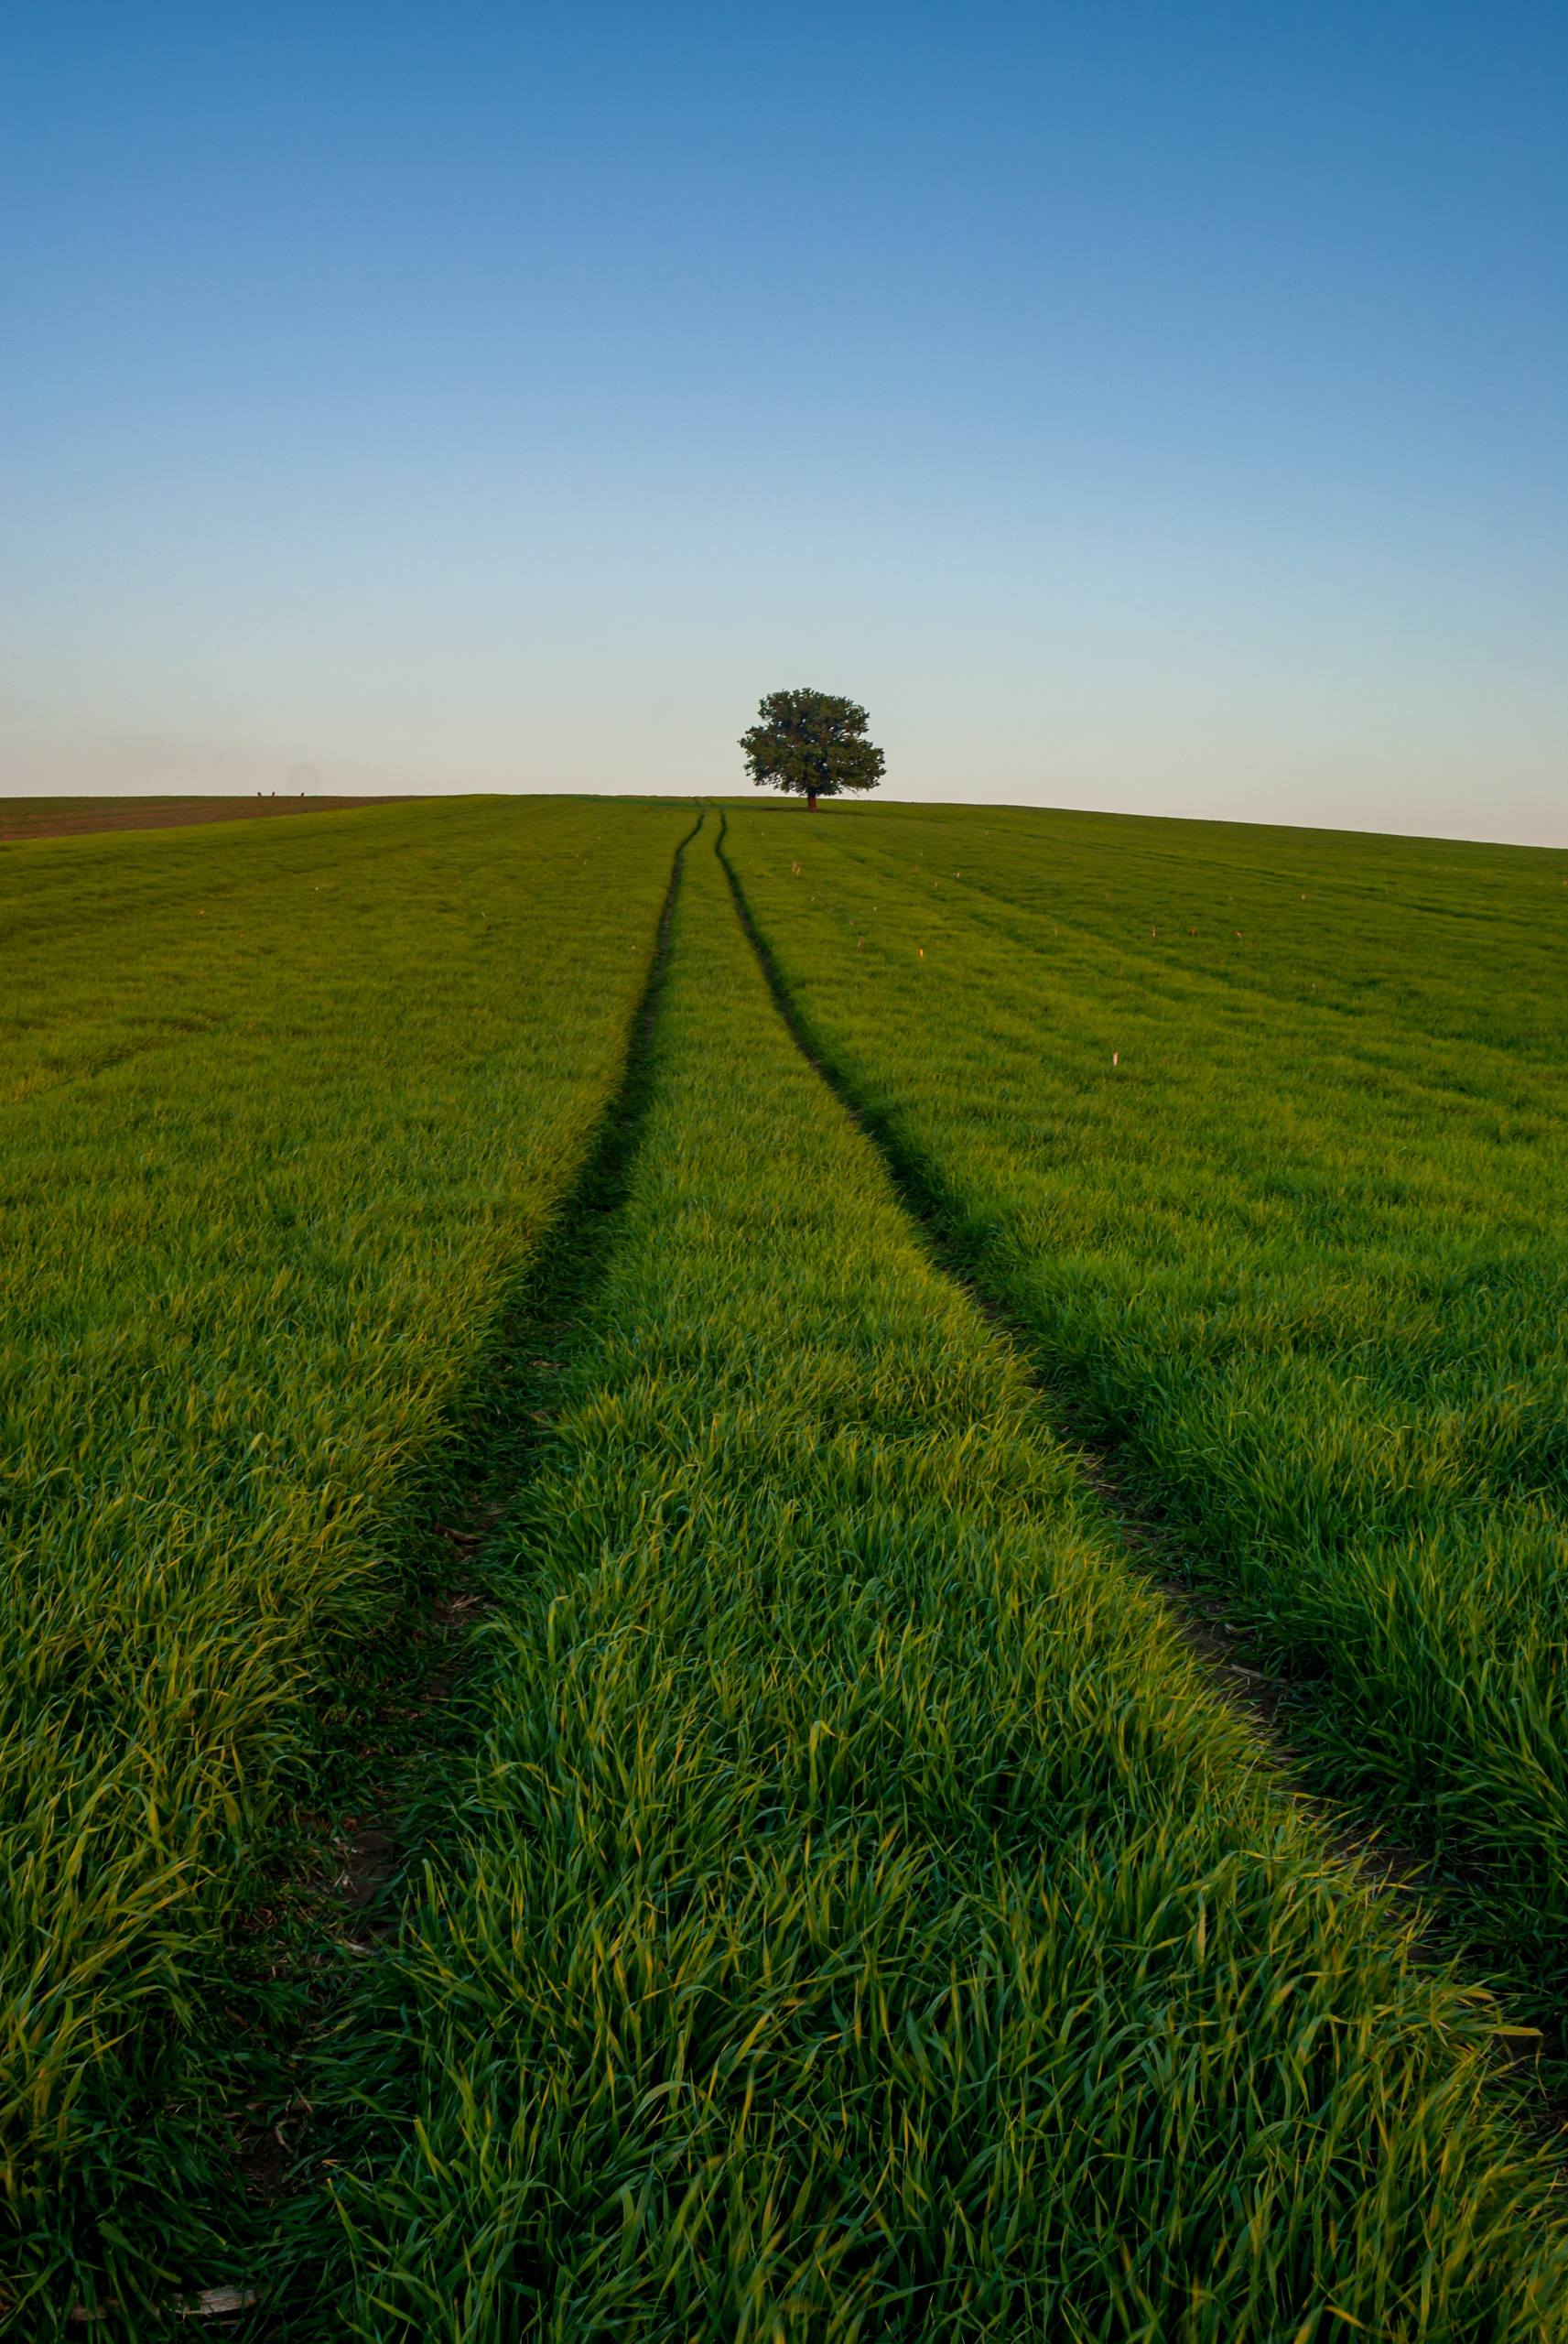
(802, 1364)
(285, 1111)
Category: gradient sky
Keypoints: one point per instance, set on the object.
(1153, 406)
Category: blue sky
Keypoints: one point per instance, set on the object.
(1161, 406)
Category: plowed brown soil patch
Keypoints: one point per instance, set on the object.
(43, 817)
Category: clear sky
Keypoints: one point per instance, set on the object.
(1135, 403)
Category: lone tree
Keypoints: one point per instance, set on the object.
(814, 743)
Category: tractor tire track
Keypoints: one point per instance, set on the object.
(1266, 1701)
(328, 1929)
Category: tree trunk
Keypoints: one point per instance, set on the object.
(811, 801)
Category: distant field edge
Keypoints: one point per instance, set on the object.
(1242, 826)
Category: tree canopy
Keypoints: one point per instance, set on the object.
(814, 743)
